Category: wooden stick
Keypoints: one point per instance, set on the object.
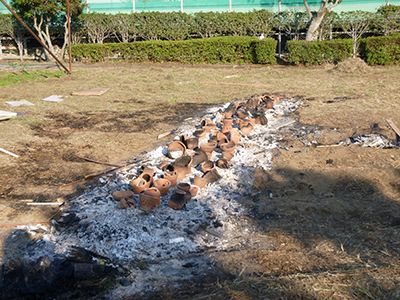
(45, 203)
(395, 129)
(230, 83)
(97, 162)
(93, 176)
(24, 224)
(8, 152)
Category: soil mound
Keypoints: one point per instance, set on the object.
(352, 65)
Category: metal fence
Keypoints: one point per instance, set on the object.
(192, 6)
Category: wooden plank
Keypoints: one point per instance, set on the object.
(395, 129)
(89, 92)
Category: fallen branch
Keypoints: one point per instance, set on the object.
(44, 203)
(97, 162)
(8, 152)
(230, 83)
(24, 224)
(395, 129)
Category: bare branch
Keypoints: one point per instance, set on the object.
(308, 10)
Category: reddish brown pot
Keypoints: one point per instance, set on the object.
(147, 202)
(228, 147)
(140, 184)
(176, 149)
(247, 129)
(183, 186)
(227, 155)
(200, 133)
(227, 121)
(146, 170)
(163, 185)
(212, 176)
(208, 147)
(172, 176)
(153, 192)
(242, 113)
(226, 129)
(198, 157)
(177, 199)
(126, 203)
(193, 190)
(183, 166)
(222, 163)
(118, 195)
(199, 181)
(207, 166)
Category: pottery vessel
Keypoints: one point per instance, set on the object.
(176, 149)
(118, 195)
(177, 199)
(153, 192)
(141, 183)
(212, 176)
(207, 166)
(228, 147)
(222, 163)
(227, 155)
(242, 113)
(183, 186)
(200, 133)
(198, 157)
(171, 176)
(146, 170)
(183, 166)
(227, 121)
(209, 147)
(147, 202)
(163, 185)
(247, 129)
(199, 181)
(193, 190)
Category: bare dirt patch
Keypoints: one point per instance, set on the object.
(331, 228)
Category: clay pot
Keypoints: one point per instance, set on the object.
(141, 183)
(154, 192)
(230, 110)
(198, 157)
(126, 203)
(176, 149)
(163, 185)
(247, 129)
(206, 122)
(227, 121)
(227, 155)
(222, 163)
(186, 188)
(235, 136)
(146, 170)
(210, 127)
(147, 202)
(190, 143)
(171, 176)
(221, 138)
(226, 129)
(242, 113)
(269, 103)
(118, 195)
(200, 133)
(177, 199)
(163, 164)
(207, 166)
(212, 176)
(193, 190)
(208, 147)
(199, 181)
(183, 166)
(228, 147)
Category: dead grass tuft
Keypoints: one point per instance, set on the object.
(353, 66)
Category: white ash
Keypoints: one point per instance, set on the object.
(128, 235)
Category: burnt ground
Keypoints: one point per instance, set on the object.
(330, 231)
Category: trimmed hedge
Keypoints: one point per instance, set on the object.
(211, 50)
(381, 50)
(319, 52)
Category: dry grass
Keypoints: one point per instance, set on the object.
(329, 232)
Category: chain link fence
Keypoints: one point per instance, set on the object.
(191, 6)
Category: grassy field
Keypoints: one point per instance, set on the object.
(338, 240)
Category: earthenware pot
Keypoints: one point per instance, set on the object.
(147, 202)
(146, 170)
(171, 176)
(177, 199)
(199, 181)
(246, 129)
(192, 143)
(163, 185)
(183, 166)
(221, 138)
(227, 121)
(222, 163)
(183, 186)
(226, 129)
(198, 157)
(200, 133)
(227, 155)
(228, 147)
(176, 149)
(209, 147)
(261, 119)
(126, 203)
(230, 111)
(163, 164)
(212, 176)
(154, 192)
(141, 183)
(118, 195)
(207, 166)
(193, 190)
(234, 135)
(242, 113)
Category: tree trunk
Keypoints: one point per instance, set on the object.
(312, 32)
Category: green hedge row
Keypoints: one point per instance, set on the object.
(319, 52)
(210, 50)
(381, 50)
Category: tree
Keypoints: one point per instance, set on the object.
(387, 19)
(47, 17)
(10, 26)
(355, 24)
(291, 22)
(315, 21)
